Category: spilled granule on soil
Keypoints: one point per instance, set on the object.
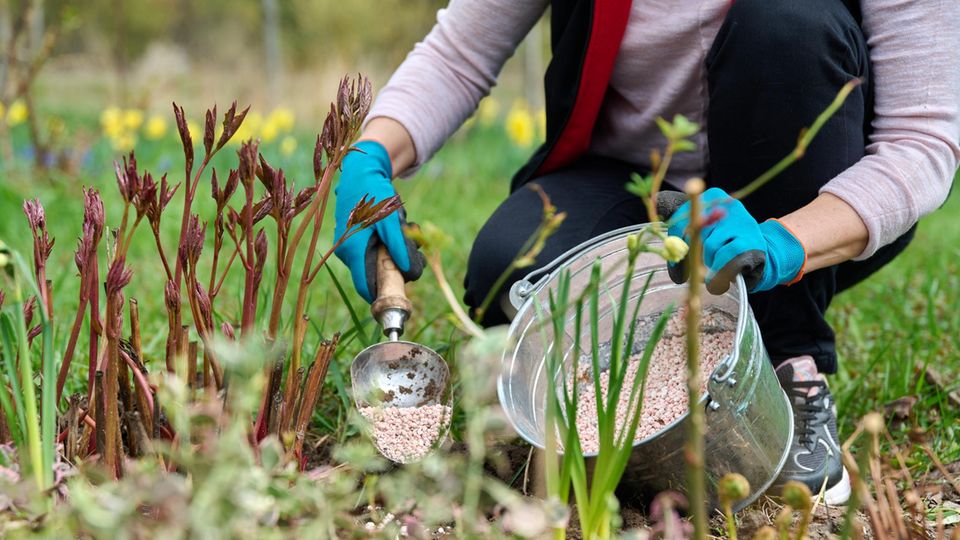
(405, 434)
(665, 397)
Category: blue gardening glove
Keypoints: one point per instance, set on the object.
(368, 172)
(736, 243)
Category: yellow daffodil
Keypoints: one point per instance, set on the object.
(111, 122)
(269, 131)
(282, 118)
(156, 127)
(288, 146)
(520, 125)
(132, 119)
(17, 114)
(488, 111)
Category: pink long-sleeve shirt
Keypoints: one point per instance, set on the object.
(913, 151)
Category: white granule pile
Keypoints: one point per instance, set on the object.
(405, 434)
(665, 397)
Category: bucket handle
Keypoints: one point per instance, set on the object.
(521, 290)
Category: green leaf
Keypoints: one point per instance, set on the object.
(683, 128)
(666, 128)
(684, 145)
(641, 186)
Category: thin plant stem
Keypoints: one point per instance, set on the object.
(163, 256)
(93, 298)
(48, 403)
(499, 283)
(239, 245)
(330, 252)
(731, 523)
(173, 330)
(314, 217)
(129, 237)
(694, 452)
(659, 174)
(433, 261)
(72, 341)
(188, 195)
(111, 387)
(531, 249)
(249, 294)
(123, 226)
(216, 289)
(217, 245)
(281, 281)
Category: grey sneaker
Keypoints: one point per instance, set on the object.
(815, 453)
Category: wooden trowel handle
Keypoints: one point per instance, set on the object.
(390, 286)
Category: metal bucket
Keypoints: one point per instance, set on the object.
(749, 423)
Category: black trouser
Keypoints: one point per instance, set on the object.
(774, 66)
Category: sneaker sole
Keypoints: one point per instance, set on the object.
(839, 494)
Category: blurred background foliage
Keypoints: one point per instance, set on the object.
(311, 32)
(134, 53)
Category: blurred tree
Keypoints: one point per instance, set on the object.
(126, 27)
(6, 28)
(310, 31)
(271, 48)
(382, 31)
(37, 23)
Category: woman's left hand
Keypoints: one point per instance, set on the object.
(732, 231)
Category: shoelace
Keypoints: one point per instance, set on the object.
(806, 415)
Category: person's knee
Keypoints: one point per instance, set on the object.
(791, 35)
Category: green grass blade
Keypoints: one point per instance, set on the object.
(336, 375)
(34, 447)
(608, 427)
(572, 454)
(357, 323)
(623, 456)
(11, 417)
(41, 443)
(427, 323)
(558, 481)
(594, 299)
(619, 361)
(9, 337)
(640, 379)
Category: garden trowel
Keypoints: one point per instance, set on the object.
(397, 373)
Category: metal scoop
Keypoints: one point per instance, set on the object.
(397, 373)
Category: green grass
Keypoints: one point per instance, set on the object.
(908, 313)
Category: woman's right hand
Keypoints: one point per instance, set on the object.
(367, 172)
